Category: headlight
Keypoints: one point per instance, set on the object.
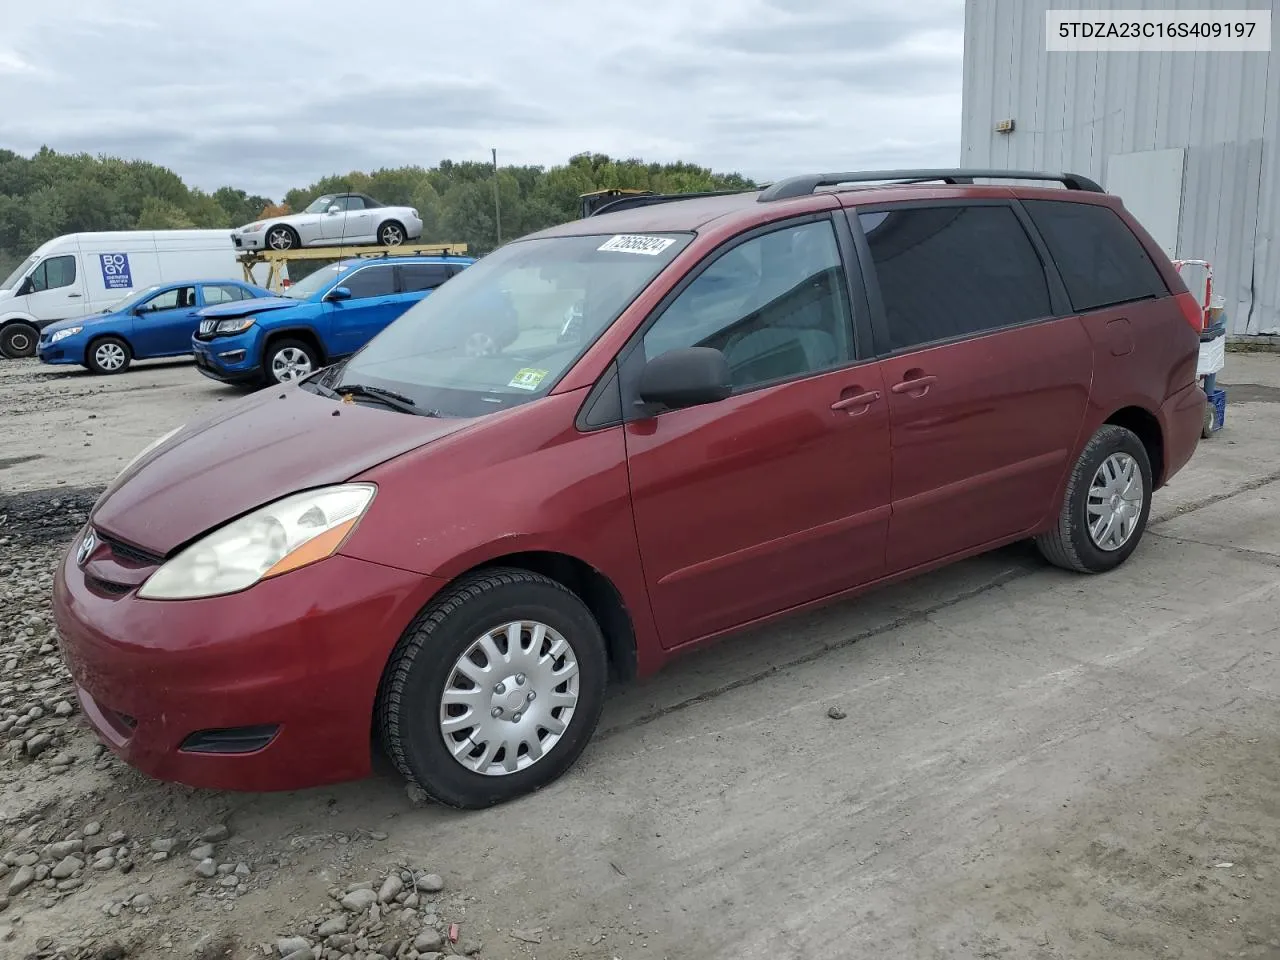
(151, 446)
(63, 334)
(275, 539)
(238, 325)
(252, 228)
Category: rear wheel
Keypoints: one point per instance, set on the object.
(494, 690)
(281, 237)
(108, 355)
(391, 234)
(18, 340)
(1106, 506)
(288, 360)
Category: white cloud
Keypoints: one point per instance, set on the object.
(304, 88)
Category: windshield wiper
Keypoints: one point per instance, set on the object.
(397, 401)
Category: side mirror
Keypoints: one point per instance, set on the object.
(339, 293)
(334, 209)
(687, 377)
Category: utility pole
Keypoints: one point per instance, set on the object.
(497, 207)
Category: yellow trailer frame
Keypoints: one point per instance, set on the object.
(274, 258)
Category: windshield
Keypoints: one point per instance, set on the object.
(504, 330)
(320, 204)
(313, 283)
(12, 280)
(132, 300)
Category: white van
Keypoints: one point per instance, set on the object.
(83, 273)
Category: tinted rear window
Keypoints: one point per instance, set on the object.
(954, 271)
(1101, 261)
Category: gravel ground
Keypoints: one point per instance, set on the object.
(998, 760)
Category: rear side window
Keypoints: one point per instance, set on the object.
(954, 271)
(422, 276)
(371, 282)
(1102, 263)
(221, 294)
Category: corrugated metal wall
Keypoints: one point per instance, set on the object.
(1074, 110)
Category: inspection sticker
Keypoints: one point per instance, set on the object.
(528, 379)
(631, 243)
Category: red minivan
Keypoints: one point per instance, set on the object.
(768, 399)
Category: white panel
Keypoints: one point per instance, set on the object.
(1150, 184)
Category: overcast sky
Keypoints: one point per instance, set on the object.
(272, 96)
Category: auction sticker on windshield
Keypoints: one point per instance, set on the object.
(528, 378)
(631, 243)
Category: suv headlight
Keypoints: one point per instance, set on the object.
(272, 540)
(238, 325)
(63, 334)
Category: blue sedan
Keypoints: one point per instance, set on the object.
(152, 323)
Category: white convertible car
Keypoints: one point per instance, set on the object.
(330, 221)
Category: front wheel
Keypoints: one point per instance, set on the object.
(494, 690)
(1106, 506)
(18, 340)
(108, 355)
(289, 360)
(281, 237)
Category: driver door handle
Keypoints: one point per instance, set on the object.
(76, 295)
(863, 400)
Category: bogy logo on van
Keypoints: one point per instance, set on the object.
(115, 271)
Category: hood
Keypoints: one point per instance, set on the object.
(269, 445)
(242, 308)
(85, 321)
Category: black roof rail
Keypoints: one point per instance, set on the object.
(648, 199)
(804, 185)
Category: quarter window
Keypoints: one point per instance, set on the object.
(54, 273)
(777, 306)
(422, 276)
(954, 271)
(370, 282)
(1102, 263)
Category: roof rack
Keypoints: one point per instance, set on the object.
(804, 185)
(647, 199)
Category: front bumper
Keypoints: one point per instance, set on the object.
(295, 661)
(69, 350)
(249, 241)
(235, 359)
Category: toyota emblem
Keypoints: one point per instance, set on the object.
(86, 547)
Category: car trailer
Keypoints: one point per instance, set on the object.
(278, 259)
(1213, 348)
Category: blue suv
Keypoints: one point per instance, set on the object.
(155, 322)
(327, 315)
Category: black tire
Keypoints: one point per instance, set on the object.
(414, 681)
(108, 355)
(18, 340)
(270, 370)
(1069, 544)
(286, 236)
(388, 232)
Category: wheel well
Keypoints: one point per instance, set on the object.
(1144, 424)
(286, 226)
(595, 590)
(391, 220)
(302, 333)
(88, 347)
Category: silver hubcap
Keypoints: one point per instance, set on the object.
(392, 236)
(509, 698)
(109, 356)
(1115, 501)
(280, 240)
(290, 364)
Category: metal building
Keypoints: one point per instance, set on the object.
(1187, 140)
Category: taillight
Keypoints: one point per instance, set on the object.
(1191, 311)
